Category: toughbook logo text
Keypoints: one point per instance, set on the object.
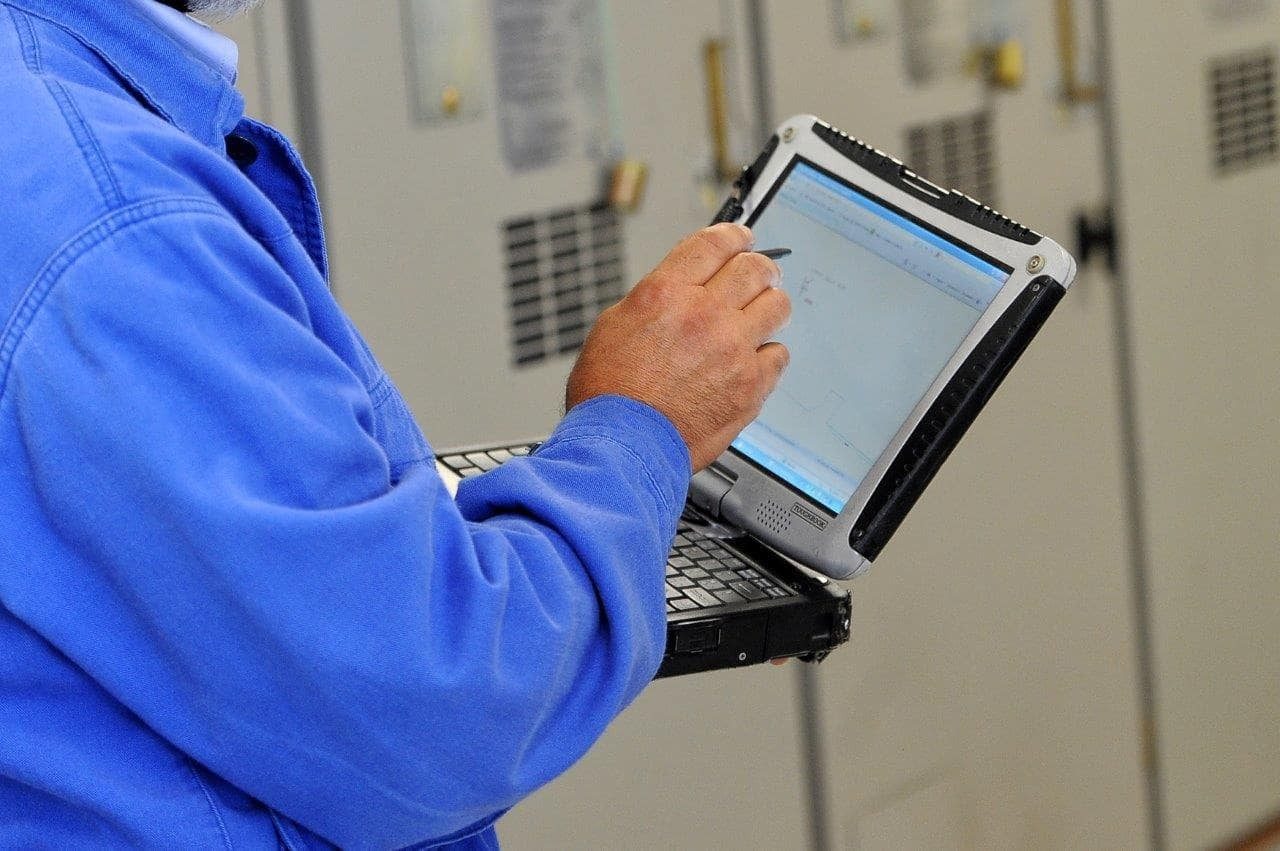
(809, 517)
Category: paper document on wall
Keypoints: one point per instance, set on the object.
(443, 47)
(937, 39)
(859, 20)
(552, 81)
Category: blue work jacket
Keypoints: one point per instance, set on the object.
(238, 607)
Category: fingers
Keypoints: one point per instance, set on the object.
(765, 315)
(774, 357)
(743, 278)
(703, 253)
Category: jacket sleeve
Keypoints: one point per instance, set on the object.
(234, 561)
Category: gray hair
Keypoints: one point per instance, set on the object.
(217, 11)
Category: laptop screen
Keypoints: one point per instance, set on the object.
(880, 303)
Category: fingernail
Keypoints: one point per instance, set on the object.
(746, 232)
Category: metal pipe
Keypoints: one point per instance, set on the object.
(1130, 441)
(306, 102)
(718, 110)
(813, 752)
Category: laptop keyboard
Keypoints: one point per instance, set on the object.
(701, 572)
(475, 463)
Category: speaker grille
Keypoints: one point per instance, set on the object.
(563, 268)
(773, 516)
(1243, 89)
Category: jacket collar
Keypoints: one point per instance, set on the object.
(177, 84)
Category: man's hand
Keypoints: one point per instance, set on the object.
(692, 340)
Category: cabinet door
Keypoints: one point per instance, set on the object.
(710, 760)
(1199, 182)
(420, 203)
(465, 148)
(988, 696)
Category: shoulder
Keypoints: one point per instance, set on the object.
(89, 143)
(43, 172)
(83, 164)
(82, 151)
(95, 186)
(88, 158)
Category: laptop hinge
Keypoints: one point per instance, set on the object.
(707, 489)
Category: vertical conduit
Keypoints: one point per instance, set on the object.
(811, 750)
(306, 102)
(262, 54)
(813, 767)
(761, 89)
(1135, 496)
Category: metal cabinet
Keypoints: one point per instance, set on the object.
(467, 232)
(1197, 139)
(713, 760)
(989, 695)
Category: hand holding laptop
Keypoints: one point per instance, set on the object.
(692, 340)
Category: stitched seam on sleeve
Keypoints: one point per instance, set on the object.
(398, 469)
(76, 247)
(654, 489)
(217, 813)
(380, 391)
(281, 831)
(669, 431)
(88, 144)
(30, 44)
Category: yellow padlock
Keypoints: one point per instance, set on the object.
(1008, 66)
(626, 185)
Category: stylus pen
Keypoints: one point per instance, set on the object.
(775, 253)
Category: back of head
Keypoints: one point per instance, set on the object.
(214, 11)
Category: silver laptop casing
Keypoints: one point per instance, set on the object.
(739, 493)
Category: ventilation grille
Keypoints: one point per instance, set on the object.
(956, 153)
(563, 268)
(1244, 110)
(773, 516)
